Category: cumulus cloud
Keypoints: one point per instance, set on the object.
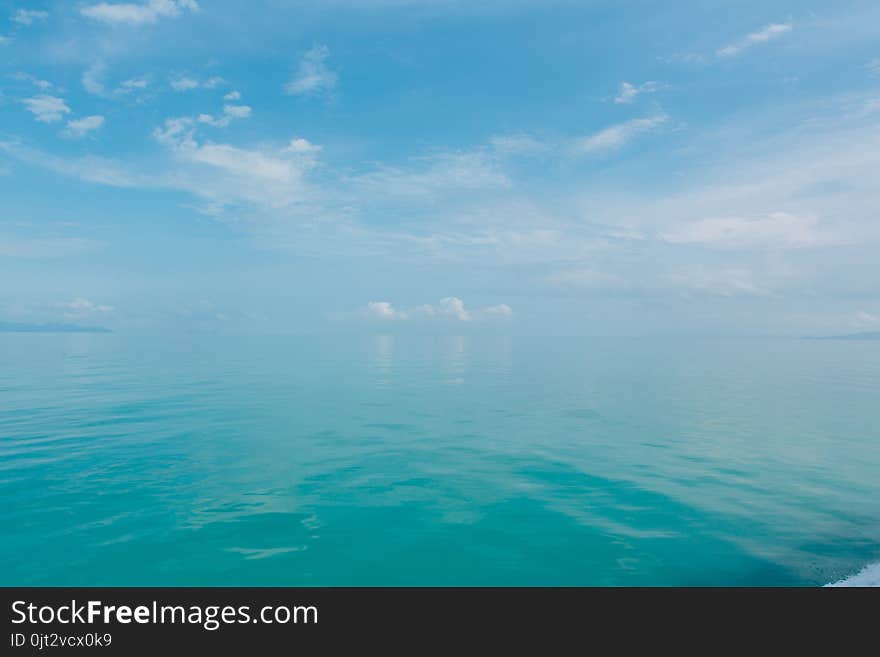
(81, 127)
(777, 229)
(300, 145)
(382, 310)
(232, 95)
(617, 136)
(46, 109)
(128, 13)
(312, 75)
(448, 308)
(29, 16)
(765, 34)
(628, 91)
(501, 310)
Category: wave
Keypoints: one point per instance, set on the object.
(867, 576)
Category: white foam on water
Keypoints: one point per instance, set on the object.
(867, 576)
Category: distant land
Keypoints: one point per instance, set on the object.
(13, 327)
(867, 335)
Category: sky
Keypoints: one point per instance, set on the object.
(590, 167)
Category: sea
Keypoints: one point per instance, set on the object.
(399, 460)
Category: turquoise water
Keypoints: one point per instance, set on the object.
(436, 460)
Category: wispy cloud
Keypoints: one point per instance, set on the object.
(94, 81)
(702, 280)
(127, 13)
(230, 113)
(47, 109)
(313, 76)
(131, 85)
(775, 230)
(82, 306)
(628, 91)
(29, 16)
(865, 319)
(37, 82)
(765, 34)
(39, 247)
(221, 173)
(186, 83)
(517, 144)
(81, 127)
(432, 175)
(449, 308)
(617, 136)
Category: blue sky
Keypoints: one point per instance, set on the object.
(588, 167)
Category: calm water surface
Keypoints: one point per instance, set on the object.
(436, 460)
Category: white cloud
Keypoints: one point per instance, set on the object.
(81, 306)
(874, 66)
(453, 307)
(381, 310)
(722, 282)
(449, 308)
(775, 230)
(516, 144)
(433, 175)
(29, 16)
(230, 113)
(81, 127)
(232, 95)
(864, 318)
(127, 13)
(93, 79)
(186, 83)
(766, 33)
(312, 75)
(94, 82)
(617, 136)
(501, 310)
(5, 40)
(628, 91)
(47, 109)
(270, 177)
(300, 145)
(131, 85)
(27, 77)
